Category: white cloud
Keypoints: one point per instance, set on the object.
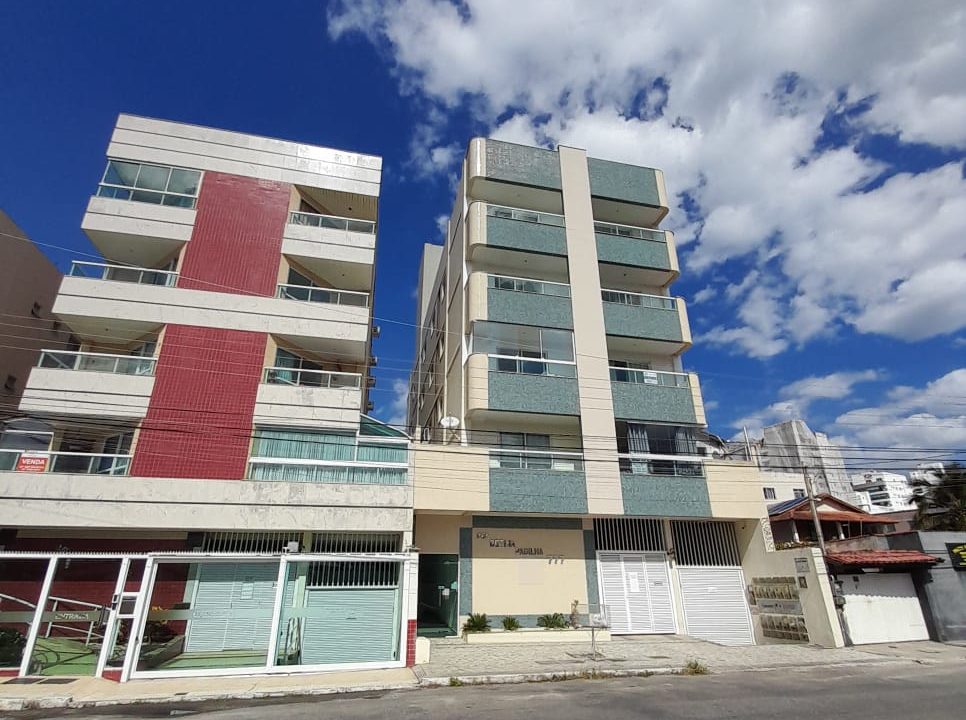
(397, 407)
(797, 397)
(931, 416)
(735, 131)
(704, 294)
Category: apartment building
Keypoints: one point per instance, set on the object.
(28, 285)
(883, 492)
(197, 488)
(792, 446)
(556, 425)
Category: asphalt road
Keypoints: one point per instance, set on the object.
(907, 691)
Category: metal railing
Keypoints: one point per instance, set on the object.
(307, 293)
(97, 362)
(622, 297)
(670, 468)
(509, 213)
(123, 273)
(312, 378)
(536, 287)
(649, 377)
(537, 460)
(531, 366)
(64, 462)
(90, 634)
(630, 232)
(332, 222)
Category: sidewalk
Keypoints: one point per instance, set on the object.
(95, 692)
(451, 658)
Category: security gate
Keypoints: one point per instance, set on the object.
(636, 590)
(882, 607)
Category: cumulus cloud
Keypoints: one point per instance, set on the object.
(734, 106)
(797, 397)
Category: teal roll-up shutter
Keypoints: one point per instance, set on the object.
(351, 625)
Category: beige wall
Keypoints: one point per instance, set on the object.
(735, 490)
(439, 534)
(816, 599)
(505, 583)
(450, 477)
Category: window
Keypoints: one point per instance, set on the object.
(156, 184)
(638, 438)
(799, 492)
(769, 493)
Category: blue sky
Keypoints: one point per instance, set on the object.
(814, 154)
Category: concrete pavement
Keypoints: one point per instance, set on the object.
(883, 691)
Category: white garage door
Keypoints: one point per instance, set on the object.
(882, 607)
(636, 589)
(232, 607)
(715, 606)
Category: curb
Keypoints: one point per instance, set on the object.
(513, 678)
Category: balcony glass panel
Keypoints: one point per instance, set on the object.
(97, 362)
(64, 462)
(312, 378)
(332, 222)
(155, 184)
(123, 273)
(523, 341)
(306, 293)
(618, 297)
(536, 460)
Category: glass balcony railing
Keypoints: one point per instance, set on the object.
(123, 273)
(620, 297)
(663, 467)
(312, 378)
(509, 213)
(308, 293)
(531, 366)
(535, 287)
(649, 377)
(630, 232)
(64, 462)
(332, 222)
(536, 460)
(97, 362)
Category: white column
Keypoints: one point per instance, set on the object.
(28, 649)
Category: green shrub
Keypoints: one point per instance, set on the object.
(510, 623)
(695, 667)
(477, 622)
(552, 621)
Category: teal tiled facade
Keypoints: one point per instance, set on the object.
(633, 251)
(665, 496)
(512, 306)
(633, 401)
(642, 322)
(626, 183)
(549, 491)
(522, 164)
(532, 393)
(526, 236)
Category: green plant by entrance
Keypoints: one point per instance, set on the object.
(477, 622)
(510, 623)
(552, 621)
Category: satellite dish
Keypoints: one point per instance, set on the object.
(449, 422)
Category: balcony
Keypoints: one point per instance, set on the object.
(537, 481)
(126, 303)
(635, 255)
(137, 233)
(327, 244)
(64, 462)
(664, 488)
(307, 397)
(522, 385)
(660, 321)
(510, 174)
(662, 397)
(631, 194)
(505, 299)
(73, 383)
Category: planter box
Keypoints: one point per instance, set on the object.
(533, 635)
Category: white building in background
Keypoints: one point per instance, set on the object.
(927, 473)
(881, 492)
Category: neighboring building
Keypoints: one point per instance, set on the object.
(558, 457)
(885, 492)
(28, 286)
(792, 446)
(198, 489)
(930, 473)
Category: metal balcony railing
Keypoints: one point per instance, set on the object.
(64, 462)
(312, 378)
(531, 366)
(630, 231)
(123, 273)
(97, 362)
(622, 297)
(649, 377)
(505, 459)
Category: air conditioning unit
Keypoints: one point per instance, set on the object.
(370, 381)
(376, 331)
(369, 406)
(292, 547)
(373, 361)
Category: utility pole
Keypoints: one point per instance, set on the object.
(814, 508)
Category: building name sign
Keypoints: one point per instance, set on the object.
(957, 555)
(510, 544)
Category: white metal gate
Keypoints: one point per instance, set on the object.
(882, 607)
(636, 589)
(715, 607)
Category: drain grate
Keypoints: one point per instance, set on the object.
(22, 681)
(57, 681)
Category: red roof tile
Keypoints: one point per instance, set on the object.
(877, 558)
